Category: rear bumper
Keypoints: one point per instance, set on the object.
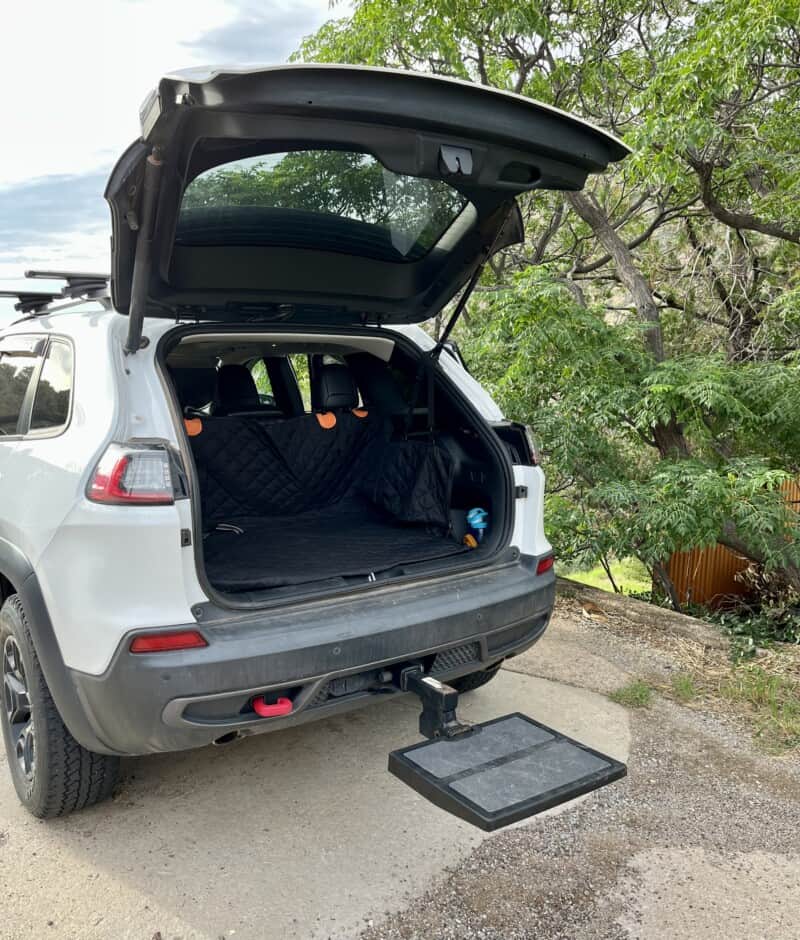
(322, 655)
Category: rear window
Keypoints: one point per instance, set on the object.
(332, 200)
(51, 404)
(258, 370)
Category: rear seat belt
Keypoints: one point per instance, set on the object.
(425, 370)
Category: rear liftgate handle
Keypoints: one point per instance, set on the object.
(439, 702)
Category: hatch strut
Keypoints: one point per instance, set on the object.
(472, 283)
(144, 244)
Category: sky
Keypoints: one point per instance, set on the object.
(74, 75)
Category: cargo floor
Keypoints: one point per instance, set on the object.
(346, 540)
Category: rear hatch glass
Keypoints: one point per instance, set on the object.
(334, 200)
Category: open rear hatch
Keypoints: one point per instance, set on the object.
(332, 196)
(420, 175)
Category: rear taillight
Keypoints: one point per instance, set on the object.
(134, 474)
(168, 642)
(519, 441)
(545, 564)
(532, 446)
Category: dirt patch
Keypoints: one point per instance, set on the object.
(688, 661)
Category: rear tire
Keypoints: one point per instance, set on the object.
(474, 680)
(53, 774)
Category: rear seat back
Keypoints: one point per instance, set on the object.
(247, 467)
(195, 388)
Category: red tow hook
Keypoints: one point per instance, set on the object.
(282, 707)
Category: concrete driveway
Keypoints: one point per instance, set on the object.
(297, 834)
(303, 834)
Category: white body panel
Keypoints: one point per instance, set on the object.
(105, 569)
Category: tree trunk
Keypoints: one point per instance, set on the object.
(638, 287)
(788, 573)
(669, 437)
(669, 587)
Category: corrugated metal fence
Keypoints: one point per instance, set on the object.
(708, 575)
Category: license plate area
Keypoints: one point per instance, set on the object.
(503, 770)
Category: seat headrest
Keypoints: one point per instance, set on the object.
(236, 390)
(195, 387)
(333, 389)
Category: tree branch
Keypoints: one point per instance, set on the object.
(736, 220)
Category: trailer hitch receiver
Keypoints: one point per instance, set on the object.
(439, 701)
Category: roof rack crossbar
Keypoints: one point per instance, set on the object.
(67, 276)
(29, 301)
(78, 282)
(78, 285)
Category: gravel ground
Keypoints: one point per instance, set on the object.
(701, 840)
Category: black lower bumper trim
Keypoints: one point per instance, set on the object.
(173, 701)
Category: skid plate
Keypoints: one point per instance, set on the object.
(503, 770)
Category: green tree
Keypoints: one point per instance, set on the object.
(648, 328)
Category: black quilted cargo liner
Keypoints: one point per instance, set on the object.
(290, 502)
(499, 479)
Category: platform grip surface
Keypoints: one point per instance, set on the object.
(503, 770)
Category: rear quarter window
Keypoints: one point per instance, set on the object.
(19, 357)
(51, 406)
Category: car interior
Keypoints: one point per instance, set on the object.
(327, 462)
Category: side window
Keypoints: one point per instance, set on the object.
(261, 377)
(19, 356)
(53, 393)
(299, 363)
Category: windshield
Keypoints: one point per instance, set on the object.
(331, 200)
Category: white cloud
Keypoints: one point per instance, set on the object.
(73, 76)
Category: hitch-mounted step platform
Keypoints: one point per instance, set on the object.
(497, 772)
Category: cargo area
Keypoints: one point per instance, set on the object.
(327, 461)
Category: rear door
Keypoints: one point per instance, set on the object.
(331, 195)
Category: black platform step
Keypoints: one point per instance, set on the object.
(503, 770)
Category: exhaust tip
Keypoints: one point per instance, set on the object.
(228, 738)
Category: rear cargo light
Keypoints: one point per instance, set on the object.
(168, 642)
(545, 564)
(134, 474)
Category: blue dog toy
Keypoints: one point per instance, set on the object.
(478, 522)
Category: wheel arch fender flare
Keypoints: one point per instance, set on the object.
(19, 576)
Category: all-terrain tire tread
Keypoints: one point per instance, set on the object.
(76, 777)
(473, 680)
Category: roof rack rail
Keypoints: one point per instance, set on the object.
(80, 286)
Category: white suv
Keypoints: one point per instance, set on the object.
(246, 490)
